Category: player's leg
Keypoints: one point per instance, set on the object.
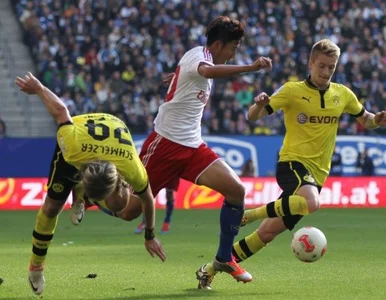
(217, 175)
(258, 239)
(59, 187)
(303, 202)
(170, 189)
(292, 183)
(221, 178)
(268, 230)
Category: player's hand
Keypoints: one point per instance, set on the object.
(29, 84)
(262, 99)
(154, 247)
(262, 63)
(166, 81)
(380, 118)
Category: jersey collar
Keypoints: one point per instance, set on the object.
(312, 86)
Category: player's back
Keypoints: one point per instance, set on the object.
(97, 135)
(102, 137)
(179, 118)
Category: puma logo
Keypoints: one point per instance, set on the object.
(307, 99)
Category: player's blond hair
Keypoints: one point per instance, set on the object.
(100, 179)
(326, 47)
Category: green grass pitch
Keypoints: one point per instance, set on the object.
(354, 266)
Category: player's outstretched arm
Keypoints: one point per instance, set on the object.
(221, 71)
(372, 121)
(32, 86)
(257, 110)
(152, 244)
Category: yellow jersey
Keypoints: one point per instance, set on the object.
(102, 137)
(311, 118)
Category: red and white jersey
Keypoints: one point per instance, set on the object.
(179, 118)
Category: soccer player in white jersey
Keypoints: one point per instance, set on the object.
(176, 150)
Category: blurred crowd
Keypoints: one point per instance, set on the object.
(111, 55)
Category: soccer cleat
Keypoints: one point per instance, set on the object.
(77, 212)
(36, 279)
(234, 269)
(140, 228)
(165, 228)
(247, 217)
(205, 277)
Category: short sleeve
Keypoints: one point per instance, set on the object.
(279, 99)
(66, 139)
(139, 181)
(201, 55)
(353, 106)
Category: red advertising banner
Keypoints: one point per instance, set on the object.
(337, 192)
(29, 193)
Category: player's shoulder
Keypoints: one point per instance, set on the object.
(339, 87)
(198, 52)
(343, 91)
(96, 118)
(288, 87)
(294, 84)
(195, 51)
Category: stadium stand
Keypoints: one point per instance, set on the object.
(110, 55)
(23, 117)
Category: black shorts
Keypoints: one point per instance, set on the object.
(63, 177)
(290, 176)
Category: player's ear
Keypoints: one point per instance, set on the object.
(218, 44)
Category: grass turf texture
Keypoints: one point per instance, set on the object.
(354, 266)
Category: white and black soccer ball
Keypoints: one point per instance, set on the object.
(309, 244)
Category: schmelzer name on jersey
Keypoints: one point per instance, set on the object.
(106, 150)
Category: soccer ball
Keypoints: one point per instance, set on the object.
(309, 244)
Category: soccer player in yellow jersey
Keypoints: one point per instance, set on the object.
(312, 109)
(96, 153)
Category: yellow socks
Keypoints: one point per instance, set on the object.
(247, 247)
(41, 237)
(288, 205)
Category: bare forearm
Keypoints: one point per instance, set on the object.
(256, 112)
(222, 71)
(53, 104)
(148, 208)
(369, 121)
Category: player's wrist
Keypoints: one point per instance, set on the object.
(374, 123)
(40, 90)
(149, 234)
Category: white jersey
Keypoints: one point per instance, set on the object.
(179, 118)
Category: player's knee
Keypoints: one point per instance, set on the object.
(51, 208)
(236, 194)
(313, 204)
(267, 235)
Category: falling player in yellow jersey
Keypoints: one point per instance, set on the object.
(312, 109)
(96, 152)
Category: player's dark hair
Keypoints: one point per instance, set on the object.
(100, 179)
(224, 29)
